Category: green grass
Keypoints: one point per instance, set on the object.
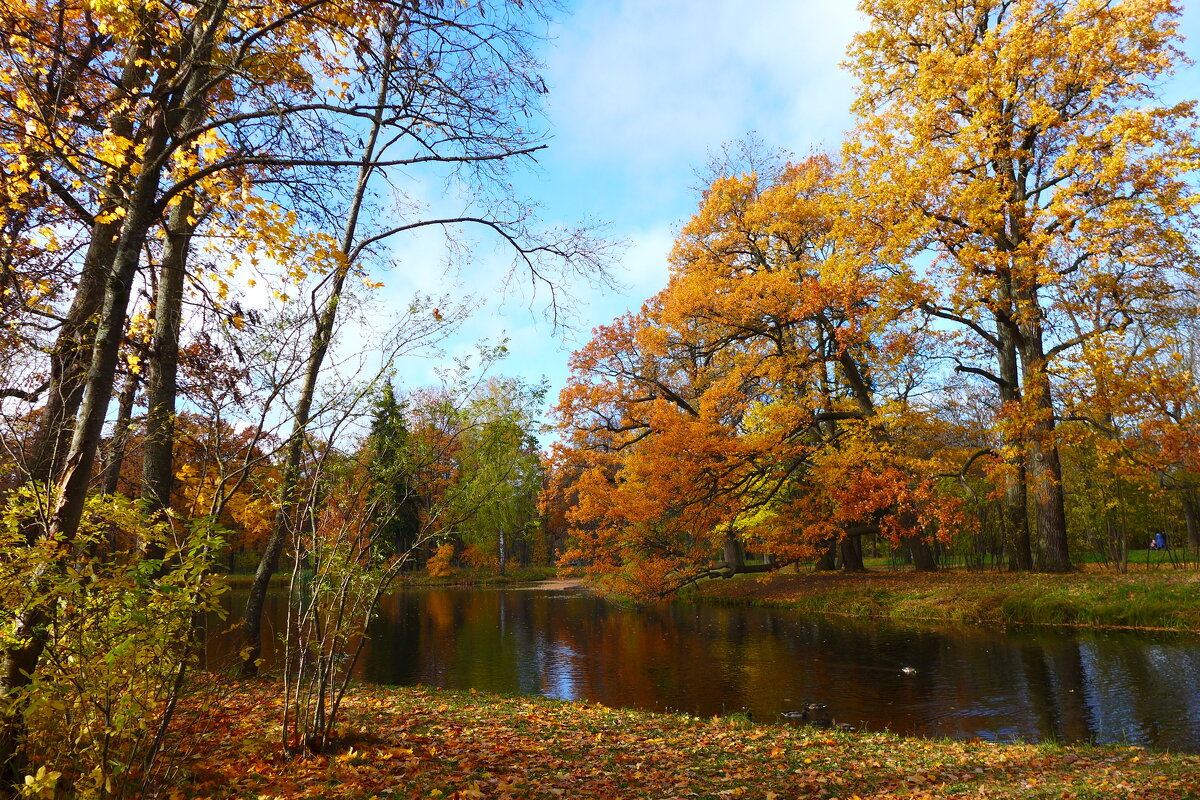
(1148, 599)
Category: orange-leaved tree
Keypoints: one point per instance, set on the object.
(757, 400)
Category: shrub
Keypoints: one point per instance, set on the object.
(117, 645)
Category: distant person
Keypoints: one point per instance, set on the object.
(1160, 541)
(1153, 542)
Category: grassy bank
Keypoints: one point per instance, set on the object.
(473, 577)
(423, 743)
(1167, 598)
(420, 579)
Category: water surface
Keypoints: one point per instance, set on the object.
(1029, 683)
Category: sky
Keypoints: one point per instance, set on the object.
(641, 94)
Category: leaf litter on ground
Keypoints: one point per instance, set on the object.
(431, 743)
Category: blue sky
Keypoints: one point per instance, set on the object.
(640, 94)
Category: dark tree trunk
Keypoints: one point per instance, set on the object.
(1042, 459)
(69, 358)
(735, 554)
(1016, 498)
(828, 560)
(157, 461)
(1045, 472)
(852, 560)
(19, 664)
(73, 347)
(923, 558)
(1191, 515)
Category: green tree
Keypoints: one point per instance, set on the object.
(392, 471)
(500, 471)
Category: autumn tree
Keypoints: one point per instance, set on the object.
(760, 398)
(1130, 409)
(1022, 142)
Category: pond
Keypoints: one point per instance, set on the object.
(1031, 684)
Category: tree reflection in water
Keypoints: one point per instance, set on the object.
(1031, 683)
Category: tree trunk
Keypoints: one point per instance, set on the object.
(1016, 495)
(120, 435)
(1016, 518)
(852, 560)
(828, 560)
(73, 346)
(19, 663)
(157, 463)
(280, 527)
(1044, 466)
(922, 554)
(319, 346)
(734, 553)
(1191, 515)
(69, 358)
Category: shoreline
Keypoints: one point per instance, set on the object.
(1160, 601)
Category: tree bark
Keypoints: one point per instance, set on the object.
(158, 473)
(852, 560)
(1016, 496)
(1191, 515)
(735, 554)
(1044, 465)
(69, 358)
(120, 435)
(922, 554)
(20, 662)
(74, 343)
(828, 560)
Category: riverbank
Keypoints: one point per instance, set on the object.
(428, 743)
(1160, 599)
(421, 580)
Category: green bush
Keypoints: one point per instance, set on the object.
(117, 643)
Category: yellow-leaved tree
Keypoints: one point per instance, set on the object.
(1024, 144)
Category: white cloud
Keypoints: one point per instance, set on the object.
(641, 93)
(642, 83)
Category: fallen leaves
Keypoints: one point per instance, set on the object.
(423, 743)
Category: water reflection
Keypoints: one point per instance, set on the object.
(1033, 684)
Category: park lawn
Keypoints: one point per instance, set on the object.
(429, 743)
(1167, 598)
